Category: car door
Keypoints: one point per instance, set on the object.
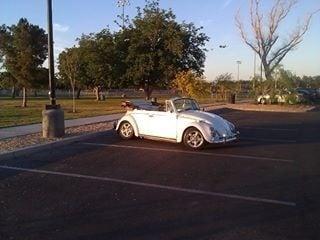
(162, 124)
(142, 120)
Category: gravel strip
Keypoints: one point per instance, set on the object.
(15, 143)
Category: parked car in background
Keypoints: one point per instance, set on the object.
(309, 93)
(178, 120)
(298, 95)
(266, 98)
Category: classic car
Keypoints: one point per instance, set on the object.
(178, 120)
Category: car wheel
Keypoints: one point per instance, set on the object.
(193, 139)
(126, 130)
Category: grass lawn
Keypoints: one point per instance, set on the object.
(12, 114)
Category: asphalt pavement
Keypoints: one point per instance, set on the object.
(266, 186)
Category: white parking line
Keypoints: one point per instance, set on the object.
(156, 186)
(191, 152)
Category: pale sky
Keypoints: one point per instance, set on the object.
(73, 17)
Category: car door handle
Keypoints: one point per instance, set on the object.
(150, 115)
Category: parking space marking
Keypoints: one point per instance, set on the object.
(151, 185)
(191, 152)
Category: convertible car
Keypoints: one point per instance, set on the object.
(178, 120)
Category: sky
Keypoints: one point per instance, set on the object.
(72, 18)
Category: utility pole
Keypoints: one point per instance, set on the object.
(52, 91)
(52, 115)
(254, 70)
(123, 4)
(238, 63)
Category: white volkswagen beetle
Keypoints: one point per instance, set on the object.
(179, 120)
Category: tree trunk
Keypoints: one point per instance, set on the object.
(13, 92)
(78, 93)
(35, 94)
(97, 93)
(147, 90)
(24, 97)
(73, 101)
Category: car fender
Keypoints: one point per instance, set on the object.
(132, 121)
(205, 131)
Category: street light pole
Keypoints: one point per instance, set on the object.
(254, 70)
(52, 115)
(52, 92)
(123, 3)
(239, 62)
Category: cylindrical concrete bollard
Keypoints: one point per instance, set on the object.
(52, 123)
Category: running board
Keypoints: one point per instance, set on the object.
(158, 138)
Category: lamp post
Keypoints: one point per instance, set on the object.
(52, 115)
(238, 63)
(52, 90)
(123, 3)
(254, 70)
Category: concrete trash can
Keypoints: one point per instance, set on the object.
(232, 98)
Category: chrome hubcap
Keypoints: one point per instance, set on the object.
(126, 130)
(194, 139)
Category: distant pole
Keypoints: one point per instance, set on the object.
(52, 92)
(254, 64)
(254, 70)
(261, 71)
(123, 3)
(238, 63)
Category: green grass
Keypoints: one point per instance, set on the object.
(12, 114)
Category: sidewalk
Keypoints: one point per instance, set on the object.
(35, 128)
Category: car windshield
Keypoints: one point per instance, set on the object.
(185, 104)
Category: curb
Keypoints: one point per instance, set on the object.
(46, 146)
(257, 109)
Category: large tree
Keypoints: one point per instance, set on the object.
(98, 56)
(160, 47)
(24, 47)
(265, 38)
(71, 68)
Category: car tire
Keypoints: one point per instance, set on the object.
(126, 130)
(193, 139)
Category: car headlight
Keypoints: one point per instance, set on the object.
(232, 127)
(212, 131)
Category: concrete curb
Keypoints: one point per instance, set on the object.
(46, 146)
(261, 109)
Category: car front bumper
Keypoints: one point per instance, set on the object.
(226, 139)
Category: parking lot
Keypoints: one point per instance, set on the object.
(266, 186)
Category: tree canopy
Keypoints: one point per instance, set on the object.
(23, 50)
(160, 47)
(147, 53)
